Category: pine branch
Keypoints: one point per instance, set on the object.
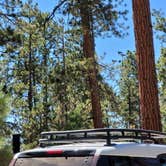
(54, 10)
(13, 15)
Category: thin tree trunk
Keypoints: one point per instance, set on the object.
(63, 100)
(88, 49)
(45, 90)
(64, 87)
(149, 103)
(30, 91)
(30, 84)
(130, 108)
(45, 81)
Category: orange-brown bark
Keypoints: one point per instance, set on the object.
(88, 49)
(149, 103)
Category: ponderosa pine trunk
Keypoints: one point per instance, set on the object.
(148, 92)
(45, 81)
(89, 53)
(30, 89)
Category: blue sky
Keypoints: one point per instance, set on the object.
(111, 46)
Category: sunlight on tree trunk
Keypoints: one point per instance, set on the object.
(149, 103)
(88, 49)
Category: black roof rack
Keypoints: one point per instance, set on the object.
(103, 134)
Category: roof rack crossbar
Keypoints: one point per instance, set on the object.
(104, 134)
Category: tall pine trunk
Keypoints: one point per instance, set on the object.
(88, 50)
(45, 81)
(30, 89)
(148, 92)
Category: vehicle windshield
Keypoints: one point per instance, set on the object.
(55, 161)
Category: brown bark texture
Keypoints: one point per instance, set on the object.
(88, 50)
(148, 92)
(30, 89)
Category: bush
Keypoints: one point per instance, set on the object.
(5, 155)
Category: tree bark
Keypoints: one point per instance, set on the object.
(45, 81)
(88, 50)
(30, 90)
(148, 92)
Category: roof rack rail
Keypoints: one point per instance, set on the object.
(103, 134)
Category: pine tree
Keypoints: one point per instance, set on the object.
(89, 53)
(162, 84)
(4, 110)
(128, 85)
(94, 18)
(160, 28)
(149, 103)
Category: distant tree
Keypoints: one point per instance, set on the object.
(5, 130)
(160, 29)
(128, 89)
(44, 69)
(161, 66)
(5, 149)
(109, 104)
(160, 25)
(94, 18)
(4, 111)
(89, 53)
(9, 12)
(149, 103)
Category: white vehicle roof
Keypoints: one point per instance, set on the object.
(102, 141)
(135, 150)
(116, 149)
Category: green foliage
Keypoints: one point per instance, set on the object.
(160, 28)
(128, 84)
(161, 66)
(9, 35)
(109, 104)
(4, 110)
(79, 118)
(160, 25)
(5, 150)
(43, 69)
(107, 16)
(8, 14)
(46, 82)
(162, 70)
(3, 107)
(5, 155)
